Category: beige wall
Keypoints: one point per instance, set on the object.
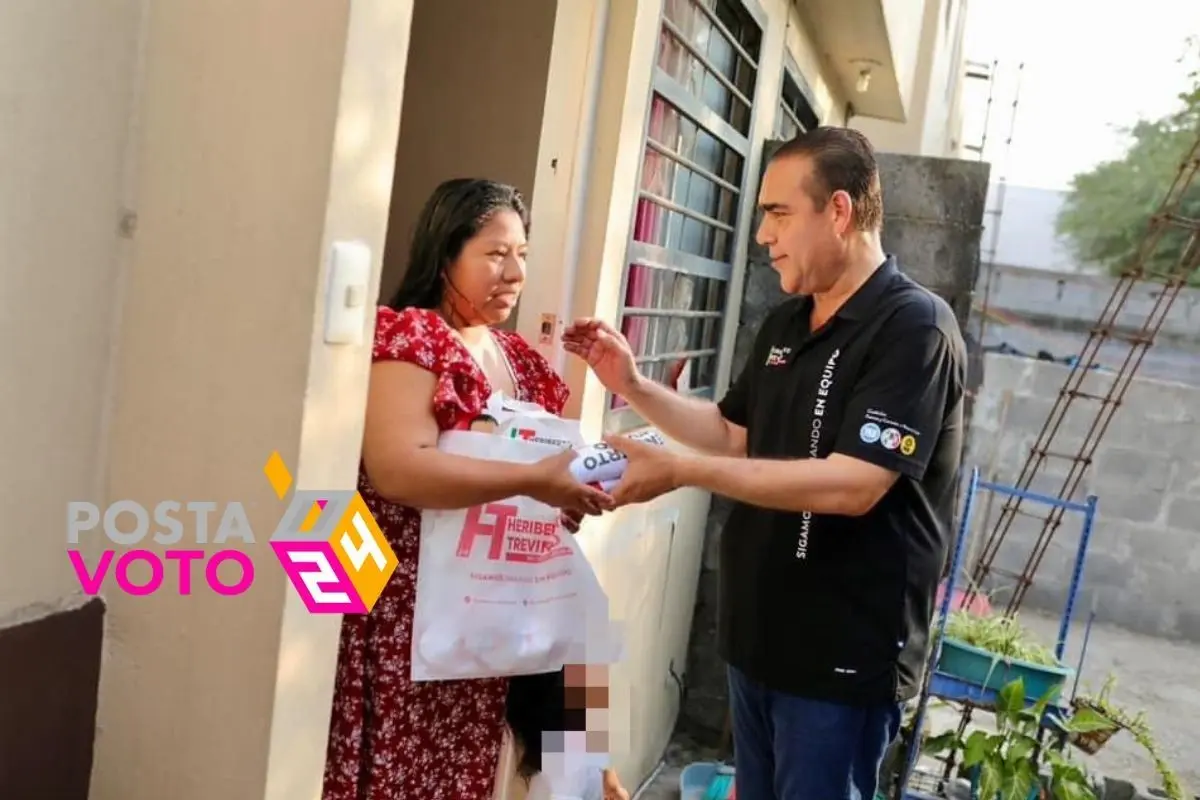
(934, 121)
(259, 135)
(67, 76)
(944, 113)
(218, 365)
(812, 63)
(905, 21)
(472, 104)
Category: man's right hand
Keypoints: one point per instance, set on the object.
(606, 352)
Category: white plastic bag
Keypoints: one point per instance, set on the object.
(503, 589)
(530, 422)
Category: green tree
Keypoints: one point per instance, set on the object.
(1105, 215)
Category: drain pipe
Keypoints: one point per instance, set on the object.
(646, 784)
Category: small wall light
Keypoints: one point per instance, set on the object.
(865, 67)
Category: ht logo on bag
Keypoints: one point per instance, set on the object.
(511, 538)
(530, 435)
(330, 546)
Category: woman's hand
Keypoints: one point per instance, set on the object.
(551, 483)
(571, 520)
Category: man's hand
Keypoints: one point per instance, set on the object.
(651, 471)
(605, 350)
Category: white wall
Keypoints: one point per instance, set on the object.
(934, 125)
(171, 178)
(1026, 229)
(67, 76)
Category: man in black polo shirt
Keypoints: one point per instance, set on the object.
(840, 442)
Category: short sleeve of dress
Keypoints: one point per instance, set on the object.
(406, 335)
(420, 337)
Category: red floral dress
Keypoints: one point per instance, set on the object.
(390, 738)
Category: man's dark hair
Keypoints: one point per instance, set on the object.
(843, 160)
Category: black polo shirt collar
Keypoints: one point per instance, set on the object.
(860, 305)
(863, 302)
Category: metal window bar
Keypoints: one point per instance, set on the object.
(709, 67)
(675, 355)
(1186, 266)
(720, 26)
(787, 109)
(684, 161)
(652, 255)
(671, 205)
(641, 311)
(684, 102)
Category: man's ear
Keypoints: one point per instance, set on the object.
(843, 211)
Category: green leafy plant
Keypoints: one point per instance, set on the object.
(1138, 727)
(1001, 635)
(1018, 762)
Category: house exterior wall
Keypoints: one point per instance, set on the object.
(934, 124)
(473, 106)
(67, 79)
(1027, 234)
(174, 174)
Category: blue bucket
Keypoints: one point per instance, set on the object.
(695, 779)
(983, 668)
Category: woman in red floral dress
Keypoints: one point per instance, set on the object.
(436, 360)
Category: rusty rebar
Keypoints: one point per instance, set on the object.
(1167, 216)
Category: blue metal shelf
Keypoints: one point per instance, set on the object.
(951, 689)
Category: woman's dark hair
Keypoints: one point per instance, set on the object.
(537, 704)
(452, 216)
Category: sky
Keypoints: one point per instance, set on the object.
(1089, 67)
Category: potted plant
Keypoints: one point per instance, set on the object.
(1093, 742)
(992, 651)
(1139, 728)
(1017, 761)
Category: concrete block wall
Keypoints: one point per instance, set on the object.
(1143, 566)
(1073, 300)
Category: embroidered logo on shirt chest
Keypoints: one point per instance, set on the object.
(778, 356)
